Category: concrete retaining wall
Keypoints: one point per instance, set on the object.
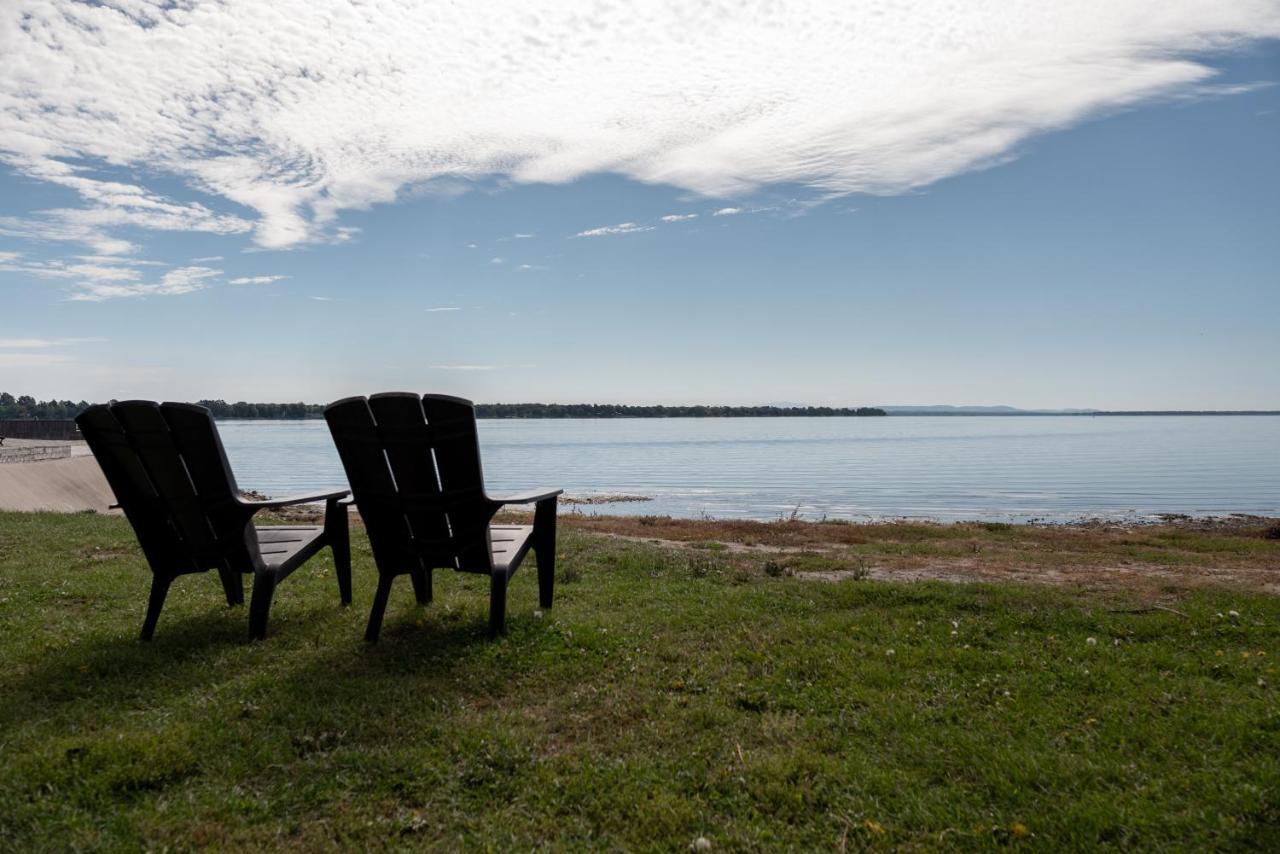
(34, 453)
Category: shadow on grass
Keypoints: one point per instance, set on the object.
(314, 649)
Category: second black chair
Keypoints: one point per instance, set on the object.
(414, 468)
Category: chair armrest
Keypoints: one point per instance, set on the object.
(531, 497)
(314, 498)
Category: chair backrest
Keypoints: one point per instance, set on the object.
(170, 474)
(414, 468)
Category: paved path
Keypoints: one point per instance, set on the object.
(67, 485)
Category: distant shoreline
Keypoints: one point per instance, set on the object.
(15, 412)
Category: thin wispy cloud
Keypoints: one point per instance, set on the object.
(256, 280)
(497, 260)
(477, 367)
(37, 352)
(40, 343)
(678, 217)
(33, 360)
(727, 212)
(620, 228)
(444, 308)
(207, 259)
(181, 280)
(321, 299)
(299, 110)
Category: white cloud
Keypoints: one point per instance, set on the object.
(727, 212)
(445, 308)
(182, 280)
(322, 299)
(207, 259)
(256, 280)
(620, 228)
(467, 367)
(298, 110)
(110, 278)
(496, 260)
(678, 217)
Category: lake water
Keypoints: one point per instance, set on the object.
(946, 468)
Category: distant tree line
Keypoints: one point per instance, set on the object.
(618, 410)
(240, 409)
(27, 407)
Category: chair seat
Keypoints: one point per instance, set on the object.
(284, 547)
(509, 544)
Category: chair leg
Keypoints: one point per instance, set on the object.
(159, 590)
(232, 586)
(335, 523)
(264, 587)
(497, 604)
(380, 597)
(421, 585)
(544, 549)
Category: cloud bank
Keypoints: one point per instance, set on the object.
(297, 110)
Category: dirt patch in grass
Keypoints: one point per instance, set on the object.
(1152, 560)
(1175, 553)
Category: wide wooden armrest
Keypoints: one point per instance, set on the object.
(529, 497)
(313, 498)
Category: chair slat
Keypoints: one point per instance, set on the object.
(150, 437)
(456, 444)
(355, 434)
(402, 427)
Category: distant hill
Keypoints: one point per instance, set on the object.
(979, 410)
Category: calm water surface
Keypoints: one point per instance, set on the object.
(947, 468)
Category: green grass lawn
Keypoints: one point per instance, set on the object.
(669, 695)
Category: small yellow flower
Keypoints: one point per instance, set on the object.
(873, 826)
(1019, 830)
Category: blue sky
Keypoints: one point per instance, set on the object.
(1117, 253)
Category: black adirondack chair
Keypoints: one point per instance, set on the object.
(170, 475)
(414, 468)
